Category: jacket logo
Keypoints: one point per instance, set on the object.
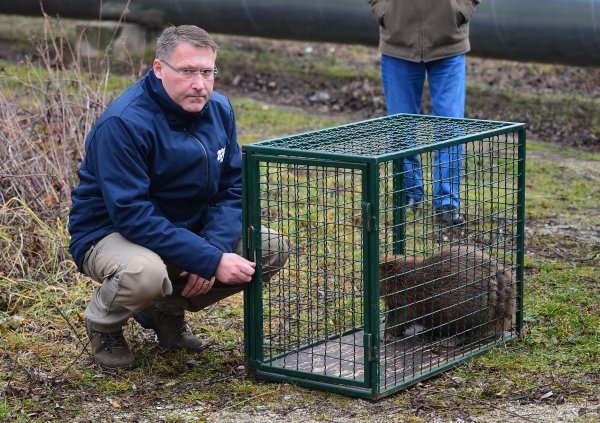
(221, 155)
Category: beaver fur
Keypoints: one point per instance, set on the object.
(459, 292)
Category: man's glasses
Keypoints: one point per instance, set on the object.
(207, 74)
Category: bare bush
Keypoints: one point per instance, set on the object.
(46, 111)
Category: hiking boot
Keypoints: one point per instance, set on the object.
(170, 329)
(450, 216)
(110, 350)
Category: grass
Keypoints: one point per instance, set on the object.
(242, 54)
(258, 121)
(46, 373)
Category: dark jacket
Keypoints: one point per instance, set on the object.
(164, 178)
(423, 30)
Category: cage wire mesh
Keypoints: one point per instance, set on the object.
(377, 292)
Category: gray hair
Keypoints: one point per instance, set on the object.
(172, 36)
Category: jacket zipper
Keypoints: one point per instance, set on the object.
(205, 155)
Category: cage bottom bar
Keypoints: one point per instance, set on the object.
(402, 360)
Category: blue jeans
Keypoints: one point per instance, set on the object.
(403, 87)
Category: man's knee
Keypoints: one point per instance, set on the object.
(275, 252)
(144, 281)
(275, 248)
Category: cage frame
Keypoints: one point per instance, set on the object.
(370, 388)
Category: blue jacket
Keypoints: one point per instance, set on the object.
(164, 178)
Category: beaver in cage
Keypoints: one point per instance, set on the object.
(460, 293)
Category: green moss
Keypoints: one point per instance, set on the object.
(5, 409)
(536, 146)
(546, 197)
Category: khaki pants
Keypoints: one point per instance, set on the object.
(134, 278)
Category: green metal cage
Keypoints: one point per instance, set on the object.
(378, 293)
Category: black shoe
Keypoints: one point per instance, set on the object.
(110, 350)
(450, 216)
(170, 329)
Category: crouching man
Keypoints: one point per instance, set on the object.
(156, 217)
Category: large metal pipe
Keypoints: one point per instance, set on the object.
(551, 31)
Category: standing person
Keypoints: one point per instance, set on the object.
(156, 217)
(418, 40)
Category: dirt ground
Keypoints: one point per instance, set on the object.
(364, 412)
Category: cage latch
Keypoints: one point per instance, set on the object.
(368, 216)
(251, 244)
(369, 344)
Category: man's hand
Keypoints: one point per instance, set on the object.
(196, 285)
(234, 269)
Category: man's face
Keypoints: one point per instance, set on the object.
(191, 94)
